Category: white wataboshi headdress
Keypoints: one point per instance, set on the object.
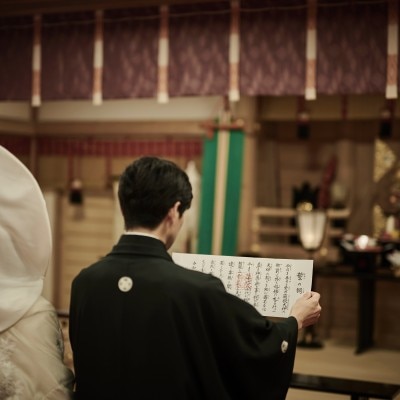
(25, 240)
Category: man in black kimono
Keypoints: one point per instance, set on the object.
(142, 327)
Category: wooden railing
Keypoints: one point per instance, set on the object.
(273, 228)
(356, 389)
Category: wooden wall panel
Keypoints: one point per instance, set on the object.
(52, 172)
(86, 234)
(387, 326)
(339, 300)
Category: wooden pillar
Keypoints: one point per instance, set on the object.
(247, 109)
(33, 155)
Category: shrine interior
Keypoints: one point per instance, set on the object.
(309, 89)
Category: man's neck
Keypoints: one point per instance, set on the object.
(142, 232)
(161, 232)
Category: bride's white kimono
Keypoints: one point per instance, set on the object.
(31, 357)
(31, 343)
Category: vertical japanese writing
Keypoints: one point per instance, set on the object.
(270, 285)
(230, 276)
(276, 288)
(301, 276)
(221, 268)
(286, 288)
(239, 283)
(266, 287)
(212, 266)
(248, 282)
(257, 281)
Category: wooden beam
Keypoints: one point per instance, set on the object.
(365, 130)
(11, 127)
(29, 7)
(211, 126)
(118, 128)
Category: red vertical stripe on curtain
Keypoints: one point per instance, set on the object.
(311, 50)
(392, 49)
(163, 55)
(98, 59)
(234, 51)
(37, 61)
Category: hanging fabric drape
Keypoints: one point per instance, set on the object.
(392, 49)
(234, 45)
(98, 60)
(311, 51)
(36, 60)
(220, 192)
(67, 53)
(205, 49)
(163, 50)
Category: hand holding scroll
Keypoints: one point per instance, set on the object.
(307, 309)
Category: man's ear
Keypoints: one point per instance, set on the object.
(174, 210)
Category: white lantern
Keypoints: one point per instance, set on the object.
(311, 225)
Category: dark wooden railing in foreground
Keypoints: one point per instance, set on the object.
(356, 389)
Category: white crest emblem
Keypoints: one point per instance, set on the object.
(125, 284)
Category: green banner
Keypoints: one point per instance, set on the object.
(229, 202)
(207, 195)
(233, 194)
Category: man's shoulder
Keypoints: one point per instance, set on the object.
(193, 280)
(89, 270)
(167, 270)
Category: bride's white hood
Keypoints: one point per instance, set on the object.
(25, 240)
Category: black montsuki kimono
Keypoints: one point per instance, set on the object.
(165, 332)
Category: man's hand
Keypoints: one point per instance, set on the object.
(307, 309)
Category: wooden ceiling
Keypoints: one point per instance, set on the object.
(28, 7)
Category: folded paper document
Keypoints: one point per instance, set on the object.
(271, 285)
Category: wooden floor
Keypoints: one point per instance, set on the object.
(338, 360)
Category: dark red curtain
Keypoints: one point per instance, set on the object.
(48, 146)
(351, 51)
(199, 49)
(16, 43)
(352, 48)
(130, 53)
(67, 56)
(17, 145)
(272, 48)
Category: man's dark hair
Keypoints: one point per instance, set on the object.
(148, 188)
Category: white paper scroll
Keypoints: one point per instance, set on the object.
(270, 285)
